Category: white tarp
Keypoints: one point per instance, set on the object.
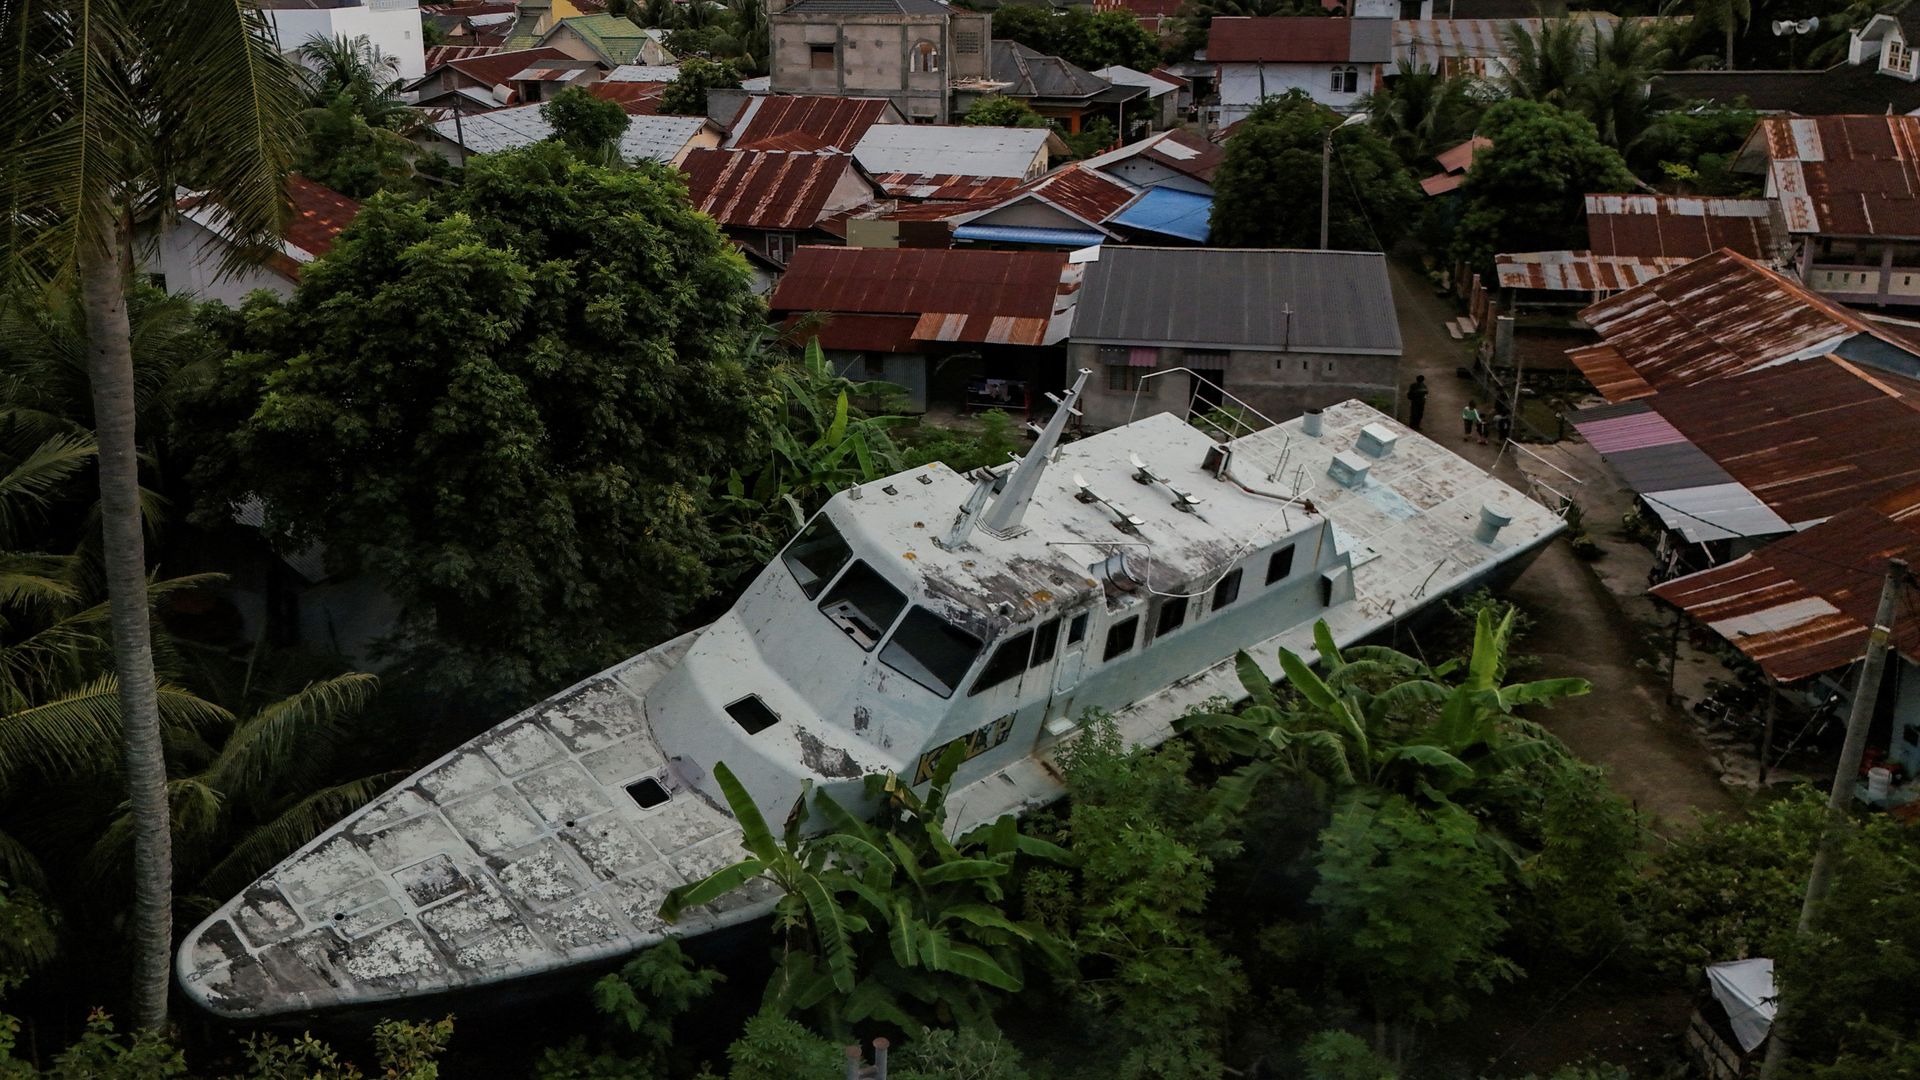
(1745, 989)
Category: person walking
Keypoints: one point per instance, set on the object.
(1502, 421)
(1417, 402)
(1469, 422)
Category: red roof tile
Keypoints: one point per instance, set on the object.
(838, 122)
(1292, 39)
(764, 189)
(319, 214)
(1007, 296)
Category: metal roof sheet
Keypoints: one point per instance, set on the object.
(1305, 39)
(1088, 196)
(838, 122)
(1802, 605)
(1844, 175)
(662, 73)
(1716, 512)
(496, 68)
(862, 333)
(1631, 427)
(1667, 467)
(961, 150)
(1030, 234)
(916, 281)
(1030, 73)
(1169, 212)
(1122, 75)
(1654, 227)
(1269, 299)
(1690, 492)
(1576, 271)
(764, 189)
(1179, 150)
(650, 138)
(946, 187)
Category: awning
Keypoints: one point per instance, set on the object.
(1745, 989)
(1687, 490)
(1029, 234)
(1167, 211)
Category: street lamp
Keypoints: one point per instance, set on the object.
(1326, 170)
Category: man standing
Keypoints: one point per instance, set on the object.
(1417, 402)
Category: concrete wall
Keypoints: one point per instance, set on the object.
(1278, 385)
(905, 370)
(1243, 85)
(393, 26)
(1143, 172)
(188, 255)
(874, 57)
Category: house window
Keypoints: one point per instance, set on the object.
(1280, 565)
(1899, 57)
(1346, 80)
(820, 57)
(1120, 637)
(1173, 615)
(780, 247)
(1125, 378)
(926, 58)
(1227, 591)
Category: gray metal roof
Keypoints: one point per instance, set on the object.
(1339, 301)
(930, 150)
(865, 7)
(1032, 73)
(656, 138)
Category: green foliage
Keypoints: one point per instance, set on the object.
(1587, 847)
(1095, 138)
(642, 1002)
(587, 125)
(514, 429)
(1599, 71)
(687, 94)
(1527, 192)
(1091, 39)
(997, 111)
(966, 1054)
(351, 156)
(1695, 145)
(1340, 1055)
(1272, 166)
(962, 451)
(405, 1051)
(354, 71)
(776, 1048)
(1421, 113)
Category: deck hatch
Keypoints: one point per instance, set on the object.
(752, 714)
(648, 793)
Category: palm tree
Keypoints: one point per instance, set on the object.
(1422, 112)
(1613, 90)
(1545, 66)
(1726, 15)
(112, 104)
(355, 69)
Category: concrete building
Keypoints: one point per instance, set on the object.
(1336, 61)
(391, 26)
(1282, 330)
(910, 51)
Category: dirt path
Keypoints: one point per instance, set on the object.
(1580, 627)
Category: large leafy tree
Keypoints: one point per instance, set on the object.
(110, 106)
(507, 404)
(1265, 194)
(996, 110)
(1091, 39)
(356, 123)
(1422, 112)
(1527, 192)
(687, 95)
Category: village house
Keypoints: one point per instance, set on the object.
(1061, 91)
(193, 253)
(909, 51)
(469, 24)
(490, 80)
(1175, 159)
(1336, 61)
(1632, 239)
(606, 39)
(1848, 191)
(1283, 331)
(967, 330)
(773, 201)
(923, 162)
(1166, 96)
(391, 26)
(647, 138)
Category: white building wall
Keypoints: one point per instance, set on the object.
(393, 26)
(188, 256)
(1243, 85)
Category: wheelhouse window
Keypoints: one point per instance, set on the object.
(1077, 629)
(931, 651)
(1009, 660)
(816, 555)
(1046, 640)
(863, 604)
(1227, 590)
(1120, 637)
(1280, 564)
(1173, 615)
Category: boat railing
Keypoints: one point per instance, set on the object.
(1225, 417)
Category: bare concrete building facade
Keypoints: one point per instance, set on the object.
(909, 51)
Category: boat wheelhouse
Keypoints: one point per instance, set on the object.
(1121, 572)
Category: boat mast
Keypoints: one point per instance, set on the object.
(1002, 519)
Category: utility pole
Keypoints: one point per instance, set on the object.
(1326, 176)
(1866, 695)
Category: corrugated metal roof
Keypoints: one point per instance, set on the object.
(634, 98)
(1332, 301)
(1658, 227)
(1803, 605)
(1630, 427)
(319, 215)
(1577, 271)
(1690, 492)
(646, 73)
(862, 333)
(764, 189)
(1303, 39)
(495, 68)
(1845, 175)
(1090, 196)
(1712, 317)
(1024, 288)
(1179, 150)
(838, 122)
(650, 138)
(1169, 212)
(946, 187)
(1122, 75)
(865, 7)
(1426, 42)
(441, 55)
(960, 150)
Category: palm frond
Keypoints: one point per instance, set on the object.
(284, 737)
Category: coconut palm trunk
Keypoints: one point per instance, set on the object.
(103, 270)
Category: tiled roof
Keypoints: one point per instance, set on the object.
(1030, 73)
(1005, 296)
(1299, 39)
(1844, 175)
(319, 214)
(764, 189)
(838, 122)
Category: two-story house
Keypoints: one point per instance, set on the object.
(1336, 61)
(909, 51)
(391, 26)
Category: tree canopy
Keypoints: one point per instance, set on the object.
(999, 111)
(506, 403)
(687, 94)
(589, 126)
(1265, 193)
(1079, 35)
(1527, 192)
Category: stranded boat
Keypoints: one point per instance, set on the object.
(1122, 571)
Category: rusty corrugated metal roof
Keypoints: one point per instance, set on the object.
(1678, 226)
(1577, 271)
(1088, 195)
(984, 296)
(1802, 605)
(764, 189)
(1715, 316)
(1845, 175)
(838, 122)
(945, 187)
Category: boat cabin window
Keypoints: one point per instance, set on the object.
(1009, 660)
(816, 555)
(931, 651)
(1280, 565)
(1228, 590)
(1120, 637)
(752, 714)
(863, 604)
(1046, 639)
(1077, 630)
(1173, 615)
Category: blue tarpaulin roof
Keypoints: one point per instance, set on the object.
(1168, 212)
(1028, 234)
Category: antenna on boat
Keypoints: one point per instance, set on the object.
(1002, 519)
